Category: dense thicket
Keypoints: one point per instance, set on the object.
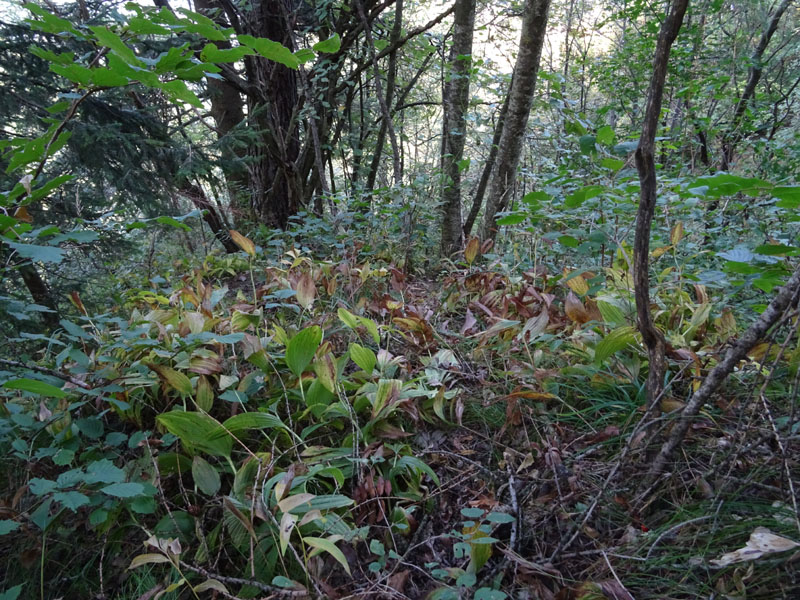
(399, 299)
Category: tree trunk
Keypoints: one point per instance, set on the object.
(272, 106)
(480, 191)
(645, 164)
(391, 79)
(456, 103)
(734, 134)
(534, 29)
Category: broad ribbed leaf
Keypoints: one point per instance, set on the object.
(301, 348)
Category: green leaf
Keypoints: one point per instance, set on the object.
(211, 53)
(301, 348)
(197, 430)
(104, 471)
(514, 219)
(614, 164)
(252, 420)
(616, 340)
(580, 196)
(41, 487)
(605, 136)
(788, 196)
(143, 26)
(63, 457)
(163, 220)
(177, 91)
(205, 476)
(329, 46)
(587, 143)
(45, 254)
(777, 250)
(498, 517)
(7, 526)
(272, 50)
(323, 545)
(111, 40)
(123, 490)
(34, 386)
(364, 357)
(107, 78)
(71, 500)
(12, 593)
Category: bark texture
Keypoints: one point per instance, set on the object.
(645, 164)
(454, 128)
(534, 29)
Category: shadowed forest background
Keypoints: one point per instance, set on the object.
(399, 299)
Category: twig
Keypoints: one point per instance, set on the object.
(783, 300)
(46, 371)
(675, 528)
(512, 542)
(240, 581)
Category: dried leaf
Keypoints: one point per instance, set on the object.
(762, 542)
(306, 290)
(574, 309)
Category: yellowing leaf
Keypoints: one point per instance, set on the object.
(173, 378)
(326, 545)
(146, 559)
(669, 405)
(292, 502)
(658, 252)
(287, 525)
(577, 283)
(205, 394)
(676, 235)
(244, 243)
(471, 251)
(211, 584)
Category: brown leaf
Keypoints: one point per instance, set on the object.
(574, 309)
(306, 290)
(469, 322)
(398, 581)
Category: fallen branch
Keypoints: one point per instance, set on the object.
(786, 297)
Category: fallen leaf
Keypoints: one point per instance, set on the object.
(761, 543)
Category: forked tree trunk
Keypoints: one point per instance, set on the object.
(456, 103)
(534, 29)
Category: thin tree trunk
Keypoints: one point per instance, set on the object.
(645, 164)
(456, 103)
(391, 79)
(523, 86)
(39, 291)
(488, 167)
(210, 215)
(734, 135)
(387, 117)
